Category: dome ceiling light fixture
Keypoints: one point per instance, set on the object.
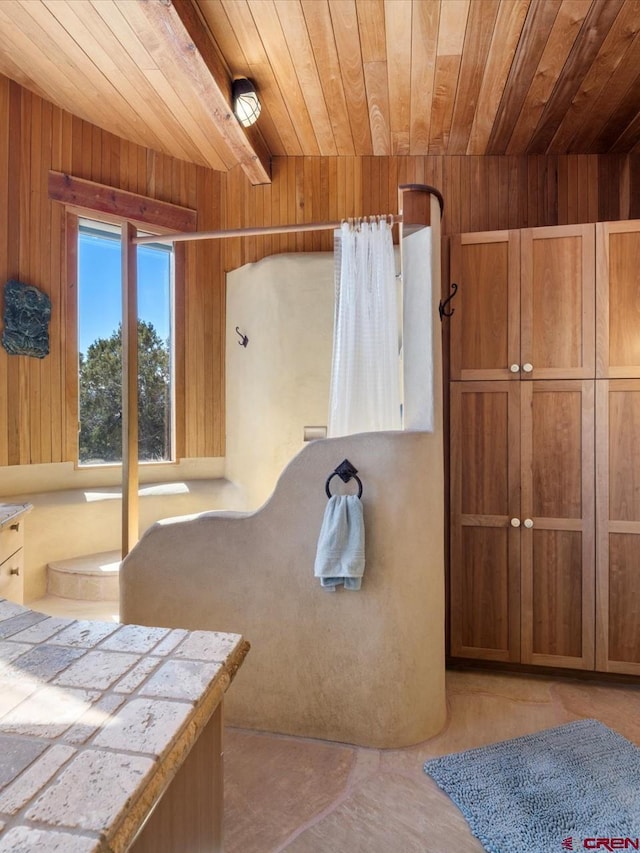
(246, 104)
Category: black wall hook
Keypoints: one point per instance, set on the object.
(244, 340)
(442, 308)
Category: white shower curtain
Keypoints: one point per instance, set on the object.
(365, 373)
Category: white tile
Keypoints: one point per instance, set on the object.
(134, 638)
(97, 670)
(92, 791)
(84, 633)
(33, 780)
(208, 645)
(181, 679)
(24, 840)
(144, 725)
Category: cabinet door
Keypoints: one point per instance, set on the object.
(557, 534)
(618, 299)
(558, 302)
(485, 328)
(485, 497)
(618, 525)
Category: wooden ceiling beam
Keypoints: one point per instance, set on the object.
(187, 43)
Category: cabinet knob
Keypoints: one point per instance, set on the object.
(15, 526)
(515, 368)
(15, 571)
(528, 523)
(515, 522)
(527, 367)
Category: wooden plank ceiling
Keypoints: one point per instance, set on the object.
(338, 77)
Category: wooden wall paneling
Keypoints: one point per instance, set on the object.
(558, 302)
(618, 525)
(19, 399)
(49, 387)
(634, 186)
(451, 222)
(5, 202)
(533, 192)
(563, 191)
(558, 565)
(514, 198)
(85, 154)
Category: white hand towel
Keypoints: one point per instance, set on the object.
(340, 554)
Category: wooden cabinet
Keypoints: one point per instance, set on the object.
(525, 304)
(485, 498)
(618, 300)
(522, 566)
(559, 456)
(557, 534)
(11, 551)
(618, 523)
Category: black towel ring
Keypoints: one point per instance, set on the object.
(346, 472)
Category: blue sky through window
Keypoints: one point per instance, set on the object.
(99, 297)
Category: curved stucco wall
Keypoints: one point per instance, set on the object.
(362, 667)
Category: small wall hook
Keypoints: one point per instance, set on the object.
(442, 308)
(244, 340)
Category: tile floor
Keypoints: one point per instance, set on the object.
(309, 796)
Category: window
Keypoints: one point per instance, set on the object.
(100, 346)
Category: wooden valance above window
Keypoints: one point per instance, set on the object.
(84, 196)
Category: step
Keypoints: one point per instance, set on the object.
(72, 608)
(93, 577)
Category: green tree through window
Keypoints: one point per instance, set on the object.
(101, 398)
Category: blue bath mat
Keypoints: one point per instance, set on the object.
(574, 787)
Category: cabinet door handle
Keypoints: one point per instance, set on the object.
(15, 571)
(527, 367)
(515, 368)
(528, 523)
(15, 526)
(515, 522)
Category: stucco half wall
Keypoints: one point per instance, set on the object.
(362, 667)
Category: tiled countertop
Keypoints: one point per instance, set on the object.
(95, 720)
(8, 512)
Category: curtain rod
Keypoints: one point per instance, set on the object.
(248, 232)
